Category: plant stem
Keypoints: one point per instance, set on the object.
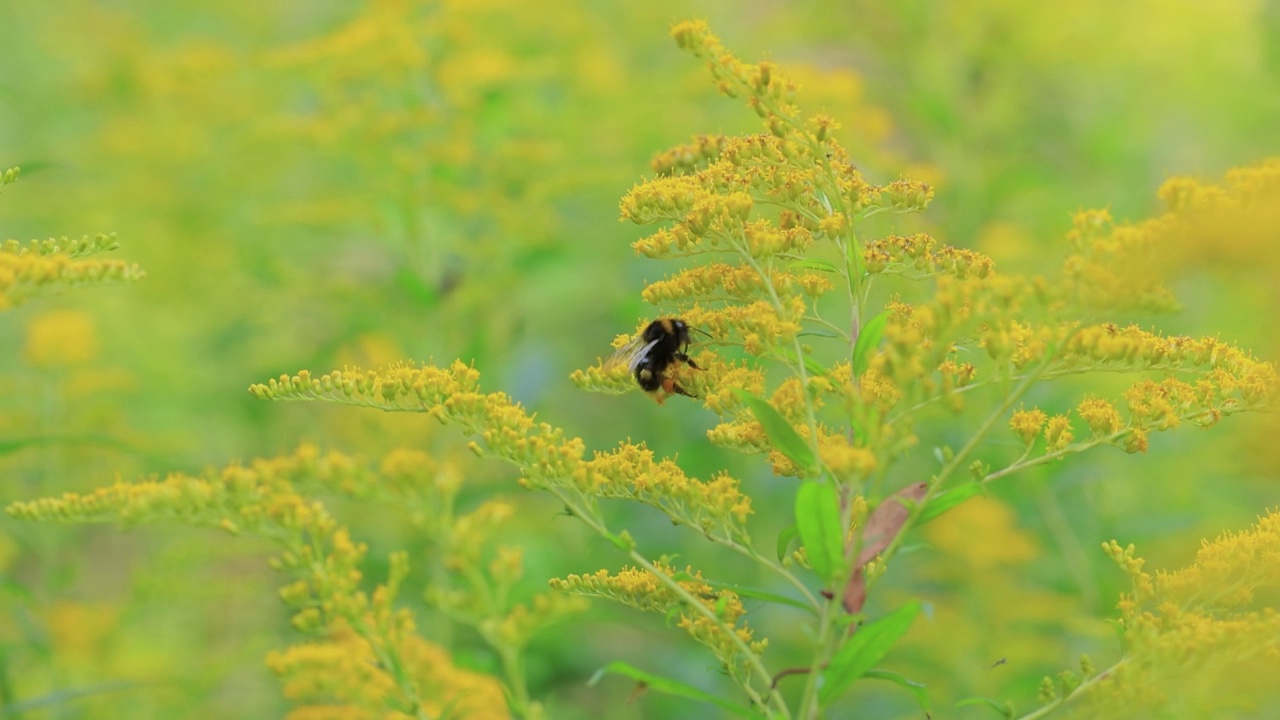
(1080, 690)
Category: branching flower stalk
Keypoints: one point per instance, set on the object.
(554, 463)
(713, 195)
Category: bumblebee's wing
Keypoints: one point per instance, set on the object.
(631, 354)
(640, 355)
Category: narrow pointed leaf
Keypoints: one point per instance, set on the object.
(813, 264)
(917, 689)
(758, 594)
(789, 533)
(813, 366)
(868, 341)
(818, 519)
(868, 646)
(944, 501)
(781, 434)
(671, 687)
(1000, 708)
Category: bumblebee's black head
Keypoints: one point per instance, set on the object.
(672, 334)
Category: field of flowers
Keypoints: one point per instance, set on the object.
(311, 402)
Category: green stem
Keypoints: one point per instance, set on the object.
(823, 648)
(512, 667)
(1080, 690)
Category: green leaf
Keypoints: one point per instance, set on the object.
(812, 264)
(789, 533)
(1000, 708)
(944, 501)
(818, 519)
(781, 434)
(671, 687)
(915, 688)
(868, 646)
(868, 341)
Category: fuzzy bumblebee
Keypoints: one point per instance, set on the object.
(651, 354)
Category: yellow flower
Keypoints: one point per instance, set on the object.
(61, 339)
(1100, 415)
(1057, 433)
(1027, 424)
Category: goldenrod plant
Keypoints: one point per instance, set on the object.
(887, 379)
(366, 659)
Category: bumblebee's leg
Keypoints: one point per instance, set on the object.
(686, 360)
(673, 388)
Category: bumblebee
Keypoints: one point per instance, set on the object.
(651, 354)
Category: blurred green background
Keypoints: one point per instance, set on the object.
(314, 184)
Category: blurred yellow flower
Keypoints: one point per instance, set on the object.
(61, 338)
(77, 629)
(982, 533)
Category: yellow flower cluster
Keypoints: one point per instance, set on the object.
(260, 499)
(722, 378)
(710, 209)
(37, 266)
(339, 678)
(761, 325)
(1233, 223)
(873, 390)
(683, 159)
(451, 395)
(1117, 267)
(1202, 637)
(910, 348)
(724, 282)
(1226, 380)
(735, 77)
(1244, 187)
(631, 472)
(1108, 347)
(1155, 406)
(1101, 416)
(1027, 424)
(1230, 571)
(1057, 433)
(916, 256)
(265, 498)
(71, 247)
(640, 589)
(544, 454)
(23, 275)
